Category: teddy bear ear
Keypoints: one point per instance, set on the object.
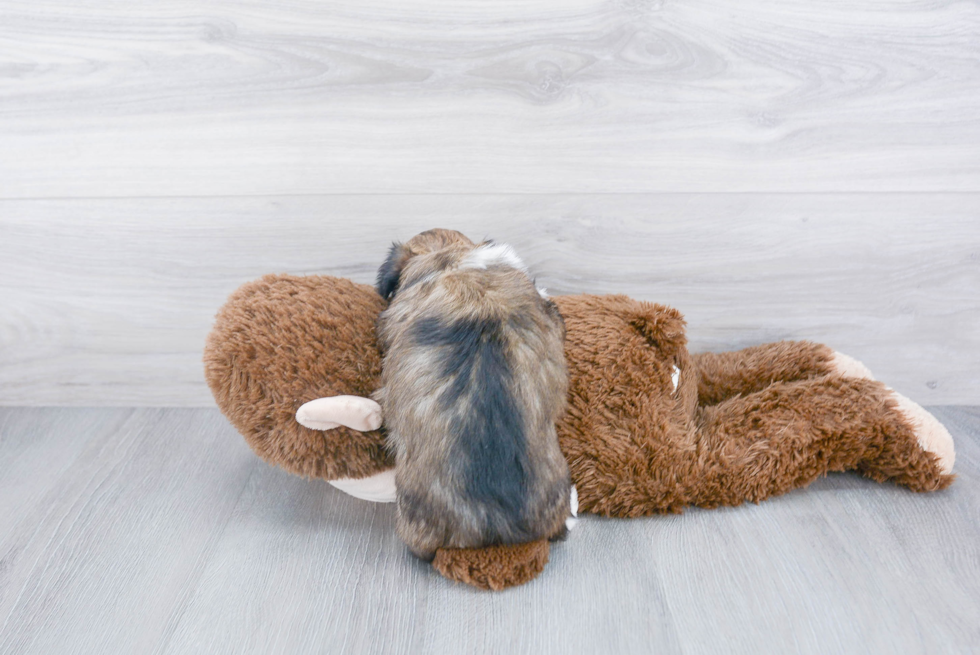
(662, 327)
(390, 272)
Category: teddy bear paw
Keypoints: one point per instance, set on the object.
(354, 412)
(933, 437)
(378, 488)
(848, 367)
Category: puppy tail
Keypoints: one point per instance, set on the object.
(493, 567)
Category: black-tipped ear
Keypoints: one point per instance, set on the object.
(391, 270)
(552, 309)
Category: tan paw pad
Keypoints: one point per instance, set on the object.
(378, 488)
(932, 435)
(355, 412)
(848, 367)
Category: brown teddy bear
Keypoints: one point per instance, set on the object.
(649, 429)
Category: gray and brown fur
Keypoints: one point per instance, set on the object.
(473, 381)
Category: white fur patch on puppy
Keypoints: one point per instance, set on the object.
(849, 367)
(543, 292)
(378, 488)
(493, 254)
(675, 377)
(933, 437)
(571, 521)
(355, 412)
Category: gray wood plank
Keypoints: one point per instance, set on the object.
(102, 559)
(212, 97)
(163, 534)
(843, 566)
(107, 302)
(34, 455)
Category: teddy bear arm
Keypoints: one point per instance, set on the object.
(355, 412)
(728, 374)
(769, 442)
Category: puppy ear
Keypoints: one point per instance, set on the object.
(391, 270)
(552, 310)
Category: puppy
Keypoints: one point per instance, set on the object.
(473, 381)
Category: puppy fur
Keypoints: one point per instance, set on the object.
(473, 382)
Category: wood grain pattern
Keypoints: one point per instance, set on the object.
(214, 97)
(101, 557)
(107, 302)
(156, 531)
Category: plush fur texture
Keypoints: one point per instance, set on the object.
(723, 375)
(494, 567)
(473, 381)
(281, 341)
(740, 426)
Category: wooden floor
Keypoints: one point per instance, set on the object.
(158, 531)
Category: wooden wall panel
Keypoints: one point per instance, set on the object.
(107, 302)
(225, 97)
(776, 170)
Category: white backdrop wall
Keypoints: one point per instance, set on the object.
(772, 172)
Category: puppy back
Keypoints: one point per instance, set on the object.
(476, 381)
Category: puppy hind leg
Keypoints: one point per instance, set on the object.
(421, 530)
(423, 544)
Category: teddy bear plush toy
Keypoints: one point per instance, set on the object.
(650, 428)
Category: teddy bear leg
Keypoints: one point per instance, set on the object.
(931, 436)
(728, 374)
(787, 435)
